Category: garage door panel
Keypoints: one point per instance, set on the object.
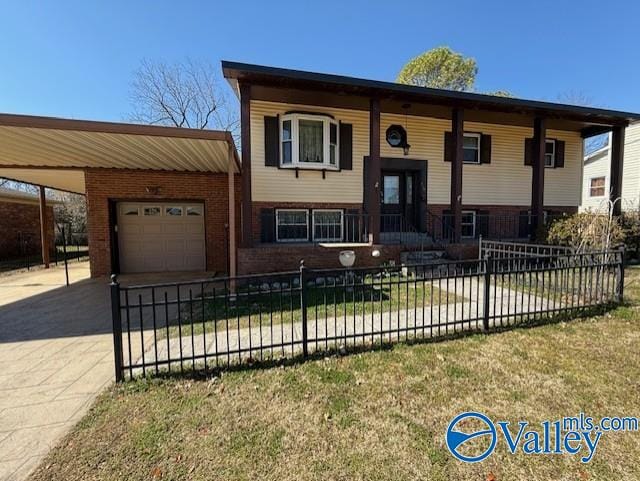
(154, 243)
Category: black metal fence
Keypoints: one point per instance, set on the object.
(220, 322)
(26, 253)
(500, 250)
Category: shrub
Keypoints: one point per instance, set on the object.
(586, 231)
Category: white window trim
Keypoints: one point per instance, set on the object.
(306, 213)
(553, 155)
(326, 141)
(605, 186)
(477, 136)
(327, 239)
(466, 212)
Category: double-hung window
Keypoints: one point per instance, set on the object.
(292, 225)
(468, 224)
(550, 153)
(471, 148)
(309, 141)
(327, 225)
(597, 187)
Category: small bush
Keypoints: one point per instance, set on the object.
(586, 231)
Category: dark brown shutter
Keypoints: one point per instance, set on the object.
(559, 154)
(267, 225)
(448, 146)
(271, 142)
(482, 223)
(524, 227)
(528, 151)
(346, 146)
(485, 149)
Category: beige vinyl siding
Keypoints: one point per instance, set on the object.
(270, 184)
(631, 171)
(596, 166)
(506, 181)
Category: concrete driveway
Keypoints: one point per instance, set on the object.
(55, 357)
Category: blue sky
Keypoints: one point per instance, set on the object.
(76, 58)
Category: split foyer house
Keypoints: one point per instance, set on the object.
(596, 175)
(327, 163)
(331, 160)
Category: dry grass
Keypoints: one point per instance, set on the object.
(379, 415)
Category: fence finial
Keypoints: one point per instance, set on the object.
(114, 279)
(301, 263)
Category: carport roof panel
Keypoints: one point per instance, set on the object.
(29, 141)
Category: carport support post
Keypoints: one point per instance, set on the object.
(232, 218)
(44, 238)
(116, 318)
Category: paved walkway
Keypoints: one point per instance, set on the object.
(234, 345)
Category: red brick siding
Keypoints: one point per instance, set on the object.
(280, 258)
(103, 185)
(19, 220)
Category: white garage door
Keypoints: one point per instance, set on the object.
(161, 236)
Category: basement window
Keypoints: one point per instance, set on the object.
(468, 224)
(327, 225)
(309, 141)
(292, 225)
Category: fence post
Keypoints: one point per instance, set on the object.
(64, 251)
(487, 289)
(303, 307)
(620, 293)
(116, 318)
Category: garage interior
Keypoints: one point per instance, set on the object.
(159, 199)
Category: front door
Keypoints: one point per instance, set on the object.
(398, 201)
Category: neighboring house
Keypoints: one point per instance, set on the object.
(597, 164)
(329, 160)
(20, 223)
(328, 163)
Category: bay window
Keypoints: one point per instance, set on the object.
(309, 141)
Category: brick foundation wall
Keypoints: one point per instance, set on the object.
(103, 185)
(22, 221)
(280, 258)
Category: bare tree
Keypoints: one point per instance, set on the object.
(185, 94)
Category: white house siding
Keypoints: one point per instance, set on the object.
(597, 165)
(631, 170)
(506, 181)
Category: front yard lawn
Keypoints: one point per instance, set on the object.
(377, 415)
(326, 299)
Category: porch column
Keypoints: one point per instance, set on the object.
(615, 176)
(457, 139)
(537, 181)
(245, 135)
(44, 234)
(373, 182)
(232, 212)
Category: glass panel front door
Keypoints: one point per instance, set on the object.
(398, 203)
